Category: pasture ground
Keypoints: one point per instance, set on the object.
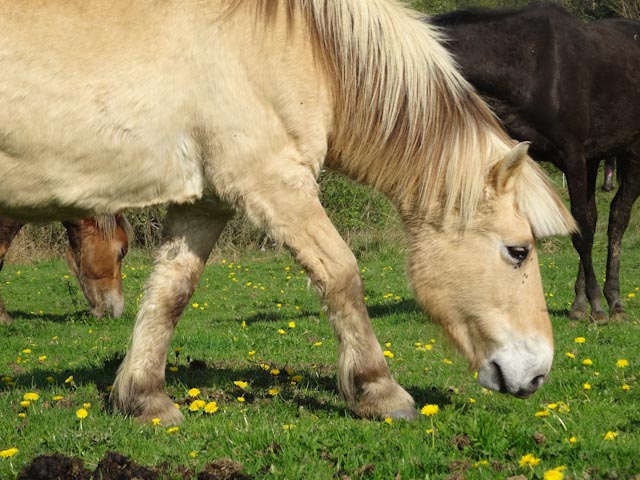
(253, 341)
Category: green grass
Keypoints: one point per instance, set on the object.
(237, 328)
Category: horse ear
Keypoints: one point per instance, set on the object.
(503, 174)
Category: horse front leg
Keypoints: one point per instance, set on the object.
(139, 388)
(620, 214)
(297, 219)
(582, 184)
(8, 230)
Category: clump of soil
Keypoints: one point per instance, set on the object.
(115, 466)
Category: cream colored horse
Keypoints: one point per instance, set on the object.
(216, 106)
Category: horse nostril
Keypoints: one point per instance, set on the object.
(537, 382)
(500, 377)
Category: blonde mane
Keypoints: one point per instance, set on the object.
(107, 225)
(406, 121)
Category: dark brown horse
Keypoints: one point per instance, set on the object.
(94, 255)
(573, 89)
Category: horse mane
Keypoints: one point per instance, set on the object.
(406, 121)
(473, 15)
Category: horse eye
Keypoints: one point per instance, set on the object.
(518, 254)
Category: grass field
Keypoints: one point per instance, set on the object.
(253, 341)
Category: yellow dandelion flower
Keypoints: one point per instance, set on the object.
(193, 454)
(317, 344)
(173, 368)
(587, 362)
(42, 358)
(173, 429)
(388, 354)
(586, 386)
(195, 305)
(211, 407)
(388, 420)
(528, 460)
(570, 355)
(580, 340)
(25, 403)
(155, 421)
(542, 413)
(240, 399)
(281, 331)
(274, 391)
(22, 415)
(554, 474)
(429, 410)
(196, 405)
(82, 413)
(446, 361)
(275, 371)
(26, 351)
(252, 353)
(193, 392)
(632, 295)
(57, 398)
(610, 436)
(31, 396)
(69, 379)
(472, 400)
(9, 452)
(296, 378)
(572, 440)
(239, 383)
(622, 363)
(625, 387)
(481, 463)
(292, 324)
(288, 426)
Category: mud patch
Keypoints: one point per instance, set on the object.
(115, 466)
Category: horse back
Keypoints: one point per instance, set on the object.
(551, 77)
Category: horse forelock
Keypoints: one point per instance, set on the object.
(406, 121)
(108, 224)
(538, 201)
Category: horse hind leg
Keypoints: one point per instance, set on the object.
(620, 214)
(139, 388)
(295, 217)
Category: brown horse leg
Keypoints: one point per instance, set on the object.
(582, 185)
(296, 217)
(580, 302)
(190, 233)
(620, 213)
(8, 231)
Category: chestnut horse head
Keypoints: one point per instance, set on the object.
(97, 246)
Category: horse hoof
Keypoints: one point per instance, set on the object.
(168, 417)
(577, 314)
(599, 318)
(617, 314)
(409, 414)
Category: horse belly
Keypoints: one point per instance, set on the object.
(95, 131)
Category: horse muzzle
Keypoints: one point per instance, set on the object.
(519, 368)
